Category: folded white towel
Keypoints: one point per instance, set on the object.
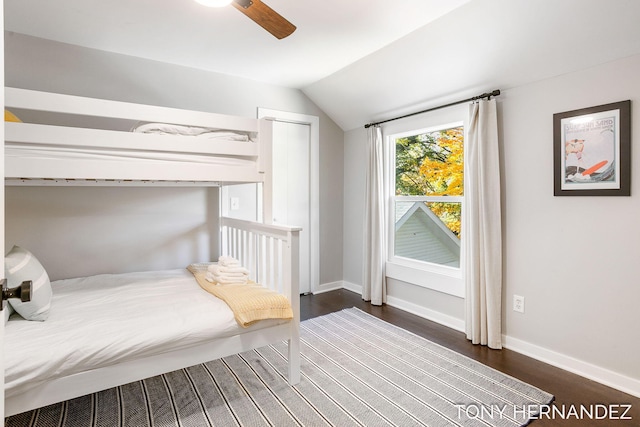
(225, 280)
(218, 269)
(230, 280)
(233, 270)
(227, 261)
(232, 276)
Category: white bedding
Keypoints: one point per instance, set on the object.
(200, 132)
(105, 319)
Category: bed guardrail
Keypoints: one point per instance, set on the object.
(270, 252)
(272, 255)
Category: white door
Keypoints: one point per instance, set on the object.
(291, 187)
(296, 188)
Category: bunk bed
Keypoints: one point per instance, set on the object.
(67, 140)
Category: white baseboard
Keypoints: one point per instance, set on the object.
(409, 307)
(436, 316)
(331, 286)
(584, 369)
(352, 287)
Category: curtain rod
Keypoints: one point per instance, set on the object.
(475, 98)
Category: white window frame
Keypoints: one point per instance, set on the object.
(441, 278)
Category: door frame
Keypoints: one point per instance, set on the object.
(314, 183)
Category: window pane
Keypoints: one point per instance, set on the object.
(428, 231)
(430, 164)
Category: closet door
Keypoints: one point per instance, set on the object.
(291, 187)
(296, 185)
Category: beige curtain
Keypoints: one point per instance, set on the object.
(483, 227)
(374, 287)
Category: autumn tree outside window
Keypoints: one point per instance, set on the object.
(427, 199)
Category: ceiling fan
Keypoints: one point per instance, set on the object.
(260, 13)
(266, 17)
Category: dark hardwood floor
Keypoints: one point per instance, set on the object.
(569, 389)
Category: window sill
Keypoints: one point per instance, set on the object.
(439, 278)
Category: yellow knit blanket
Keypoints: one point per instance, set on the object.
(249, 302)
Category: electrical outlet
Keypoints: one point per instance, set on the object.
(235, 203)
(518, 303)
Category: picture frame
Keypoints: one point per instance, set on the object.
(592, 151)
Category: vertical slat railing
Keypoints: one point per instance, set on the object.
(272, 253)
(264, 249)
(268, 244)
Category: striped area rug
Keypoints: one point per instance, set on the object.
(357, 370)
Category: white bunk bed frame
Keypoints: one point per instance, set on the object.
(129, 169)
(270, 251)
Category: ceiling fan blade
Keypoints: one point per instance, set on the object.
(266, 17)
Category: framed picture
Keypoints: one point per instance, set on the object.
(592, 151)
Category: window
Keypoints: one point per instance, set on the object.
(426, 187)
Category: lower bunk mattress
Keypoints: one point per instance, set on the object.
(107, 319)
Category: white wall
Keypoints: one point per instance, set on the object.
(39, 64)
(574, 259)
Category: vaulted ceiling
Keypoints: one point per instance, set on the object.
(330, 34)
(357, 60)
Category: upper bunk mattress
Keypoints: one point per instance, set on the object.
(102, 320)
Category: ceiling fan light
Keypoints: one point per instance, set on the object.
(214, 3)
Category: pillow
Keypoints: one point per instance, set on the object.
(21, 265)
(7, 312)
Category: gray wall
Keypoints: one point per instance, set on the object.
(33, 63)
(83, 231)
(574, 259)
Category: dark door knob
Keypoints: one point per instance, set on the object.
(23, 292)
